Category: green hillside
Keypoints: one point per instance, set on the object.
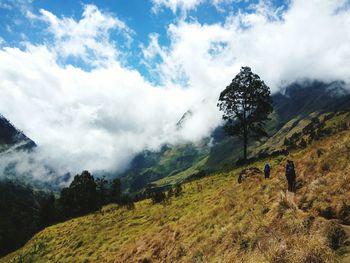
(216, 219)
(302, 113)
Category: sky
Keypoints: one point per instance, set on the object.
(95, 82)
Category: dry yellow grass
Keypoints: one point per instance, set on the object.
(218, 220)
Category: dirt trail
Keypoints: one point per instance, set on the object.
(346, 258)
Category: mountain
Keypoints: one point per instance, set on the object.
(303, 112)
(218, 219)
(14, 141)
(19, 201)
(11, 137)
(148, 166)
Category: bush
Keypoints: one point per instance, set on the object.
(336, 236)
(158, 197)
(177, 190)
(126, 201)
(344, 213)
(327, 213)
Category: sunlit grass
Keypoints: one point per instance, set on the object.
(216, 219)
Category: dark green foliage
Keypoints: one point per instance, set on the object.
(246, 104)
(80, 197)
(158, 197)
(47, 211)
(197, 175)
(23, 213)
(139, 182)
(102, 190)
(18, 209)
(177, 190)
(116, 190)
(127, 202)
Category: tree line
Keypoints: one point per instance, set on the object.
(25, 211)
(84, 195)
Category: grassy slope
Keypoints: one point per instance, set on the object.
(175, 160)
(224, 155)
(296, 109)
(216, 219)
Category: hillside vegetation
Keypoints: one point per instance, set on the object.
(216, 219)
(303, 112)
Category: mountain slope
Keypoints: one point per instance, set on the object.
(11, 137)
(300, 109)
(216, 219)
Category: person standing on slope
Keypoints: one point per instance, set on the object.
(267, 171)
(290, 175)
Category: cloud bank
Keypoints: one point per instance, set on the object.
(97, 116)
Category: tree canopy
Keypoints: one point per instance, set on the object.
(246, 104)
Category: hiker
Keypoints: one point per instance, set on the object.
(290, 175)
(267, 171)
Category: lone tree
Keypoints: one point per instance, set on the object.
(246, 104)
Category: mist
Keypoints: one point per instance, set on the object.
(98, 116)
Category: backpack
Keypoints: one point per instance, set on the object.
(267, 168)
(290, 168)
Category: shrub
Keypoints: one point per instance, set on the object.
(327, 212)
(177, 190)
(336, 236)
(127, 202)
(344, 213)
(158, 197)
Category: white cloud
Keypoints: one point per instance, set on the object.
(99, 119)
(86, 120)
(187, 5)
(309, 40)
(22, 5)
(88, 38)
(175, 5)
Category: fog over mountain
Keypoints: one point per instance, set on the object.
(77, 94)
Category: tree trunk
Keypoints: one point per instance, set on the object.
(245, 144)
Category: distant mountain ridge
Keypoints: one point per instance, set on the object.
(11, 137)
(296, 107)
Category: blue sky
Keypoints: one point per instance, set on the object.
(95, 82)
(139, 15)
